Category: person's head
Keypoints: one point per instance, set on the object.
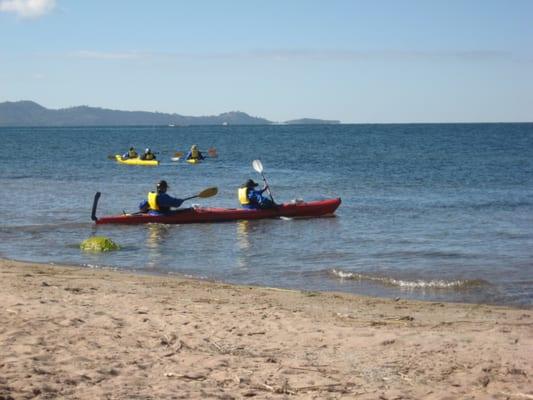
(147, 150)
(194, 147)
(162, 186)
(250, 184)
(132, 148)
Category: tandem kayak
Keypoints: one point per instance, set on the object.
(322, 208)
(135, 161)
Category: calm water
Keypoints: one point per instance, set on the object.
(435, 212)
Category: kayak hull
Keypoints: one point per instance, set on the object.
(193, 161)
(135, 161)
(323, 208)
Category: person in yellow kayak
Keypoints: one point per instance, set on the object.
(159, 201)
(148, 155)
(131, 153)
(251, 198)
(195, 154)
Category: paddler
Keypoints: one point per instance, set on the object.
(251, 198)
(194, 154)
(148, 155)
(131, 153)
(159, 201)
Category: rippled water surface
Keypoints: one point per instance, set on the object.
(436, 212)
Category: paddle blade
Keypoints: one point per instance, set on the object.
(212, 152)
(257, 166)
(209, 192)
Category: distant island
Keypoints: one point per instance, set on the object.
(29, 113)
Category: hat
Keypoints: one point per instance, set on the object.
(250, 183)
(162, 185)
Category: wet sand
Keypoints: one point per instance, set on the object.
(77, 333)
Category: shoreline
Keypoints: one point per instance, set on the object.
(177, 274)
(75, 332)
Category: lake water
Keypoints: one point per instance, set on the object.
(430, 211)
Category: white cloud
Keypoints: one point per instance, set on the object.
(27, 8)
(306, 55)
(99, 55)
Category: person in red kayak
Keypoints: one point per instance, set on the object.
(159, 201)
(249, 197)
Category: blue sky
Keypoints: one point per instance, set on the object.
(355, 61)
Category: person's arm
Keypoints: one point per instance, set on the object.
(164, 200)
(201, 155)
(188, 156)
(143, 206)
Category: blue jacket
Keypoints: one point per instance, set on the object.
(257, 200)
(164, 201)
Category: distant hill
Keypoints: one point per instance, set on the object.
(311, 121)
(29, 113)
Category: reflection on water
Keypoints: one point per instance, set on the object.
(243, 243)
(156, 236)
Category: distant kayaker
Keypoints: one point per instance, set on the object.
(252, 198)
(194, 154)
(131, 153)
(159, 201)
(148, 155)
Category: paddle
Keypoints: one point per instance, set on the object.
(258, 166)
(204, 194)
(209, 192)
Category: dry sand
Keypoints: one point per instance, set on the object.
(95, 334)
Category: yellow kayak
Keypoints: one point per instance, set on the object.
(193, 161)
(135, 161)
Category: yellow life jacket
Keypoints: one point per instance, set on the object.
(132, 154)
(149, 156)
(243, 196)
(152, 201)
(195, 154)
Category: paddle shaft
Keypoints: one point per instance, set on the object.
(267, 187)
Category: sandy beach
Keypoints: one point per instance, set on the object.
(78, 333)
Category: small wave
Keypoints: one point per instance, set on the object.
(410, 284)
(426, 253)
(36, 228)
(498, 204)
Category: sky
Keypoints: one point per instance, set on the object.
(355, 61)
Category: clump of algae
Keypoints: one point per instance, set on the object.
(98, 243)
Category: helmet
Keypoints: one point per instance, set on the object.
(162, 186)
(250, 183)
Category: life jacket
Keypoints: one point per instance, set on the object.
(152, 201)
(243, 196)
(149, 156)
(195, 154)
(132, 154)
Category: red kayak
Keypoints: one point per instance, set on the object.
(321, 208)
